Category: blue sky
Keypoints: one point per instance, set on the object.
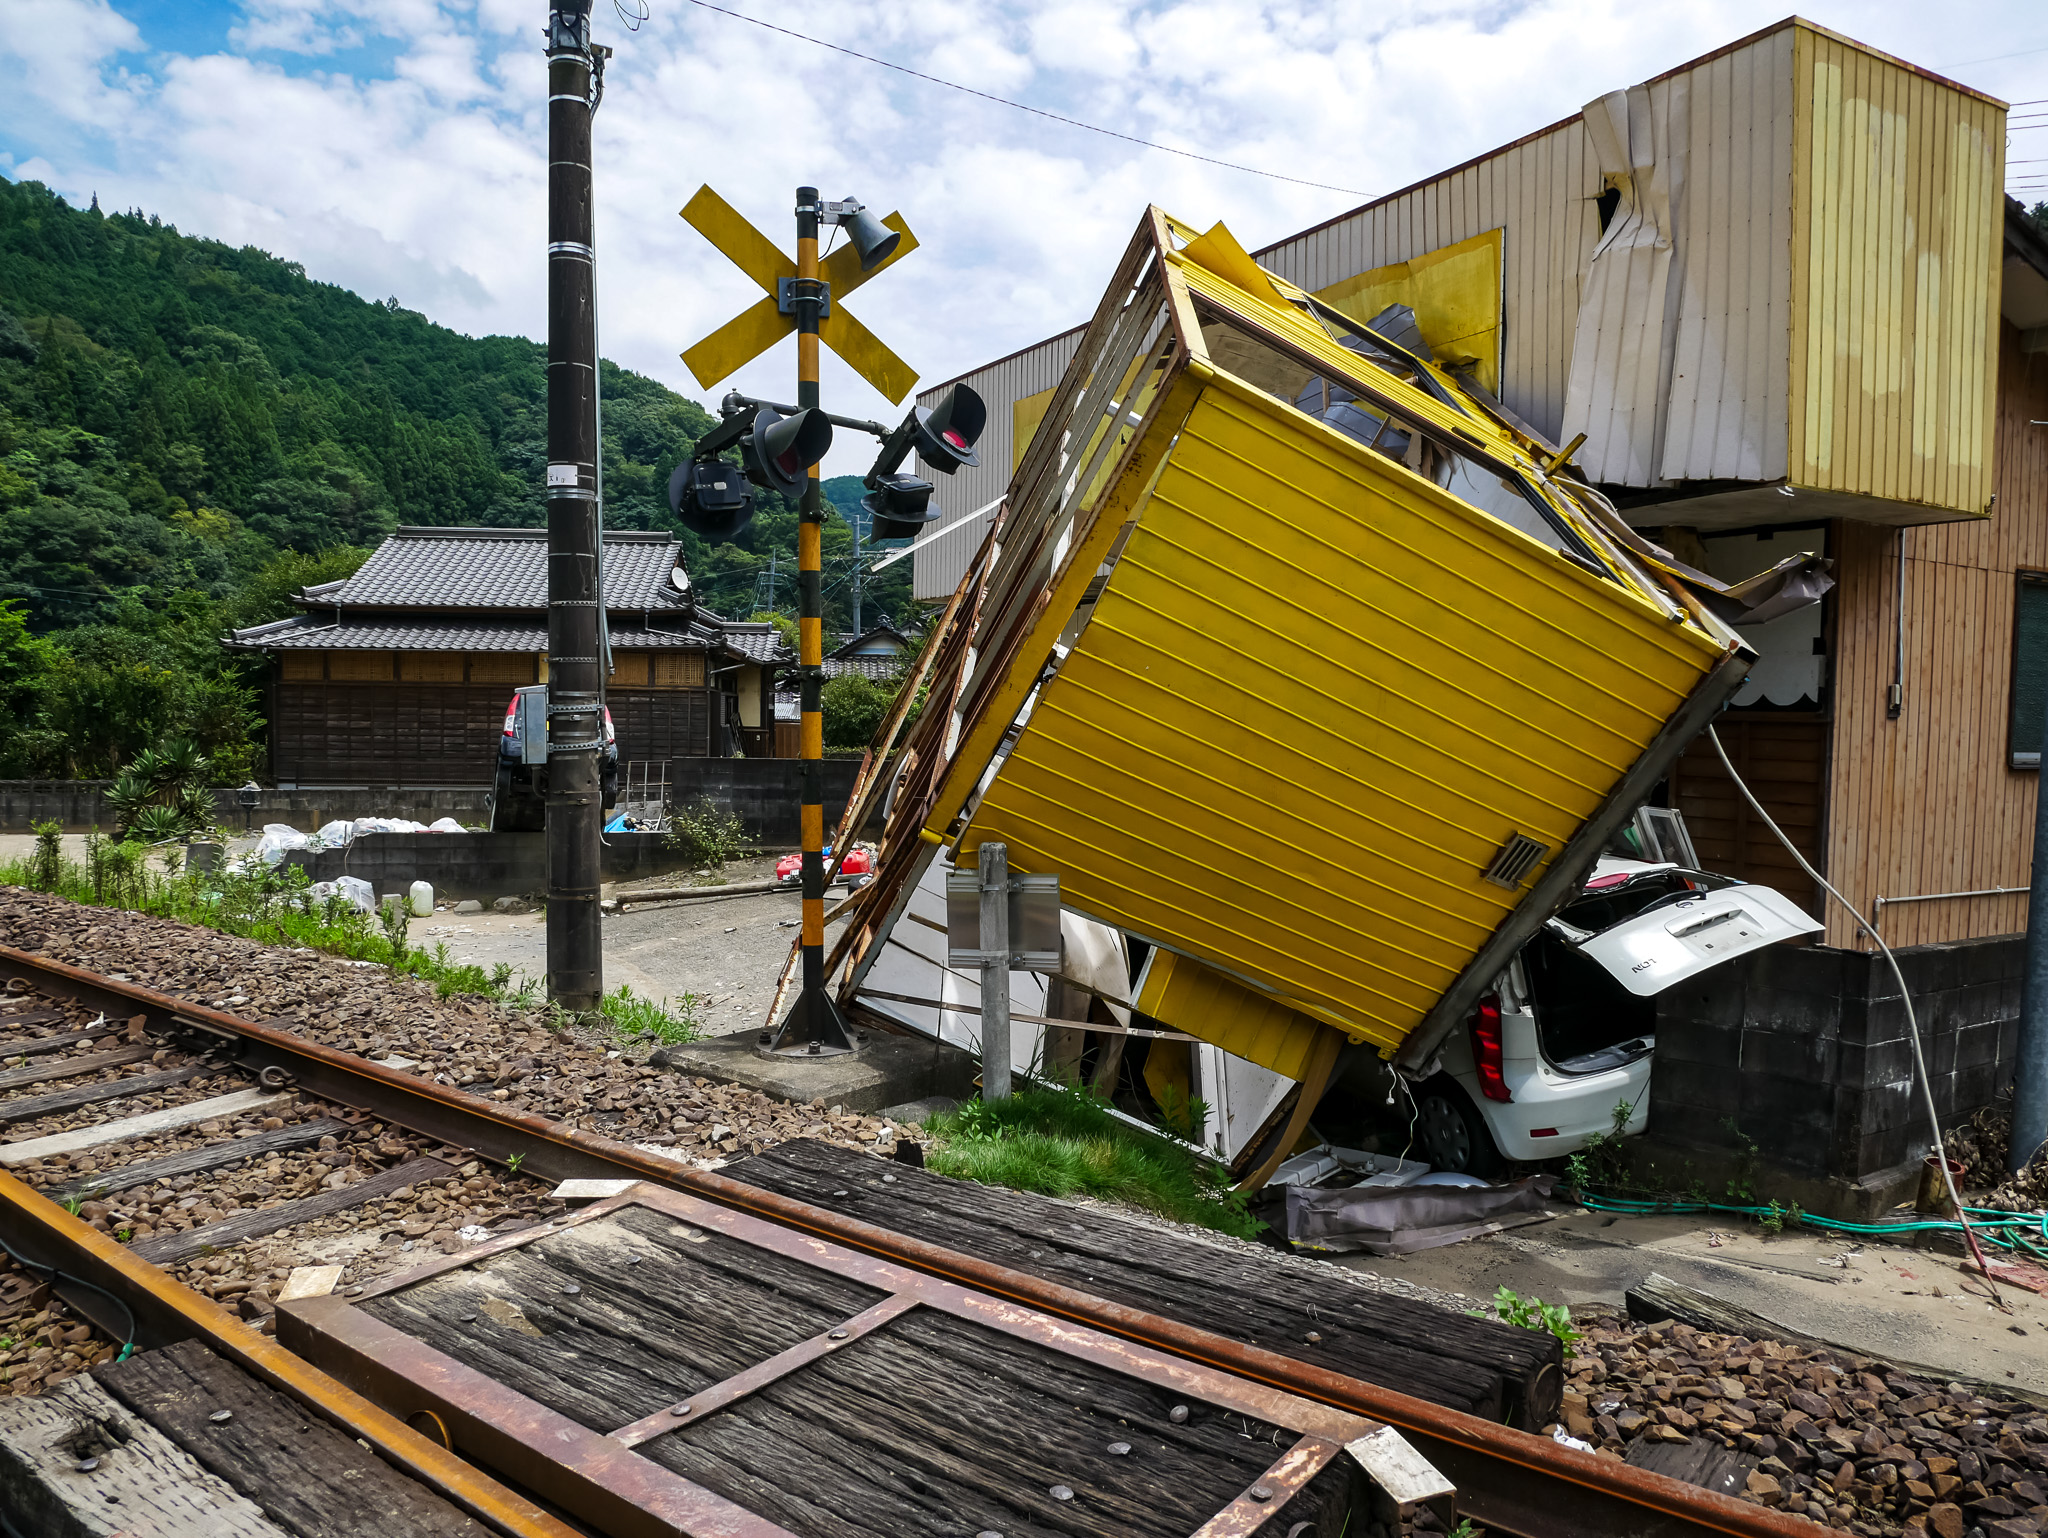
(395, 146)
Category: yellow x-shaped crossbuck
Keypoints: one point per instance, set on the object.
(752, 332)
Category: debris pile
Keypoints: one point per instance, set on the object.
(1983, 1145)
(1841, 1439)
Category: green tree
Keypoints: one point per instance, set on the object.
(852, 707)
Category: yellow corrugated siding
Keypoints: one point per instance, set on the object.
(1203, 1002)
(1897, 213)
(1305, 716)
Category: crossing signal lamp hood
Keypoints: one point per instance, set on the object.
(780, 450)
(899, 503)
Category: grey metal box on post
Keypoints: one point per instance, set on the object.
(997, 921)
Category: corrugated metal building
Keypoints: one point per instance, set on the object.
(1777, 291)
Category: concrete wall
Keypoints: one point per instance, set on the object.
(479, 865)
(1807, 1049)
(81, 804)
(764, 793)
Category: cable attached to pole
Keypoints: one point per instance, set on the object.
(1905, 997)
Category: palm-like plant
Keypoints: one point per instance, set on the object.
(157, 824)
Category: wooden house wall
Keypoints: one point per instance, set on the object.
(434, 718)
(1928, 802)
(1783, 757)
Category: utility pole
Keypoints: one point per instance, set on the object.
(575, 677)
(2030, 1079)
(855, 521)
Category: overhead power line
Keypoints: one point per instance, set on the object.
(1004, 101)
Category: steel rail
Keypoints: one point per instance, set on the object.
(1506, 1479)
(165, 1310)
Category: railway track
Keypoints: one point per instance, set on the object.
(450, 1411)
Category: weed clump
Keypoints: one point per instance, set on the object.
(1065, 1142)
(671, 1022)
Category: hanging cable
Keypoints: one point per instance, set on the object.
(1004, 101)
(57, 1275)
(1905, 997)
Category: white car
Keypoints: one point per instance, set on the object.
(1569, 1031)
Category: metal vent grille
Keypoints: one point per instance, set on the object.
(1517, 857)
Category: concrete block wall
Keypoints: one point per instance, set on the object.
(1805, 1048)
(480, 865)
(764, 793)
(81, 804)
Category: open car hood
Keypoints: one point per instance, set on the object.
(1687, 936)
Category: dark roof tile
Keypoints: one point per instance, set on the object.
(498, 569)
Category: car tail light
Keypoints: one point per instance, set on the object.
(1486, 1053)
(1543, 1132)
(512, 717)
(611, 737)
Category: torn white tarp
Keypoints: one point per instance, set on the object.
(351, 889)
(1397, 1221)
(277, 838)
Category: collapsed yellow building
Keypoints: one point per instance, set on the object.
(1298, 659)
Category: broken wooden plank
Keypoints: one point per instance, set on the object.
(195, 1161)
(301, 1471)
(148, 1124)
(1657, 1298)
(75, 1464)
(1476, 1365)
(255, 1222)
(35, 1107)
(72, 1067)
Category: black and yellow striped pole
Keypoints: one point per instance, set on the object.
(814, 1024)
(799, 297)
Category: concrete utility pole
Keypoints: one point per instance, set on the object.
(575, 676)
(2030, 1081)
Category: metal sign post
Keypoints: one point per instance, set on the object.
(1000, 923)
(995, 972)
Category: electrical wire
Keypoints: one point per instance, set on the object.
(57, 1275)
(1004, 101)
(1905, 997)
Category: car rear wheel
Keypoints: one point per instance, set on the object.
(1453, 1134)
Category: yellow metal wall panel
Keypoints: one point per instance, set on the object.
(1025, 415)
(1897, 214)
(1309, 708)
(1190, 997)
(1456, 295)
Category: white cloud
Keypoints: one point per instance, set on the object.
(423, 175)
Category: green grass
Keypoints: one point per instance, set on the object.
(670, 1022)
(1065, 1142)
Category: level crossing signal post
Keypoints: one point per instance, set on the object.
(780, 447)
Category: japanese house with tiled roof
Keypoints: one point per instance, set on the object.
(400, 674)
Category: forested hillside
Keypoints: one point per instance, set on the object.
(189, 432)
